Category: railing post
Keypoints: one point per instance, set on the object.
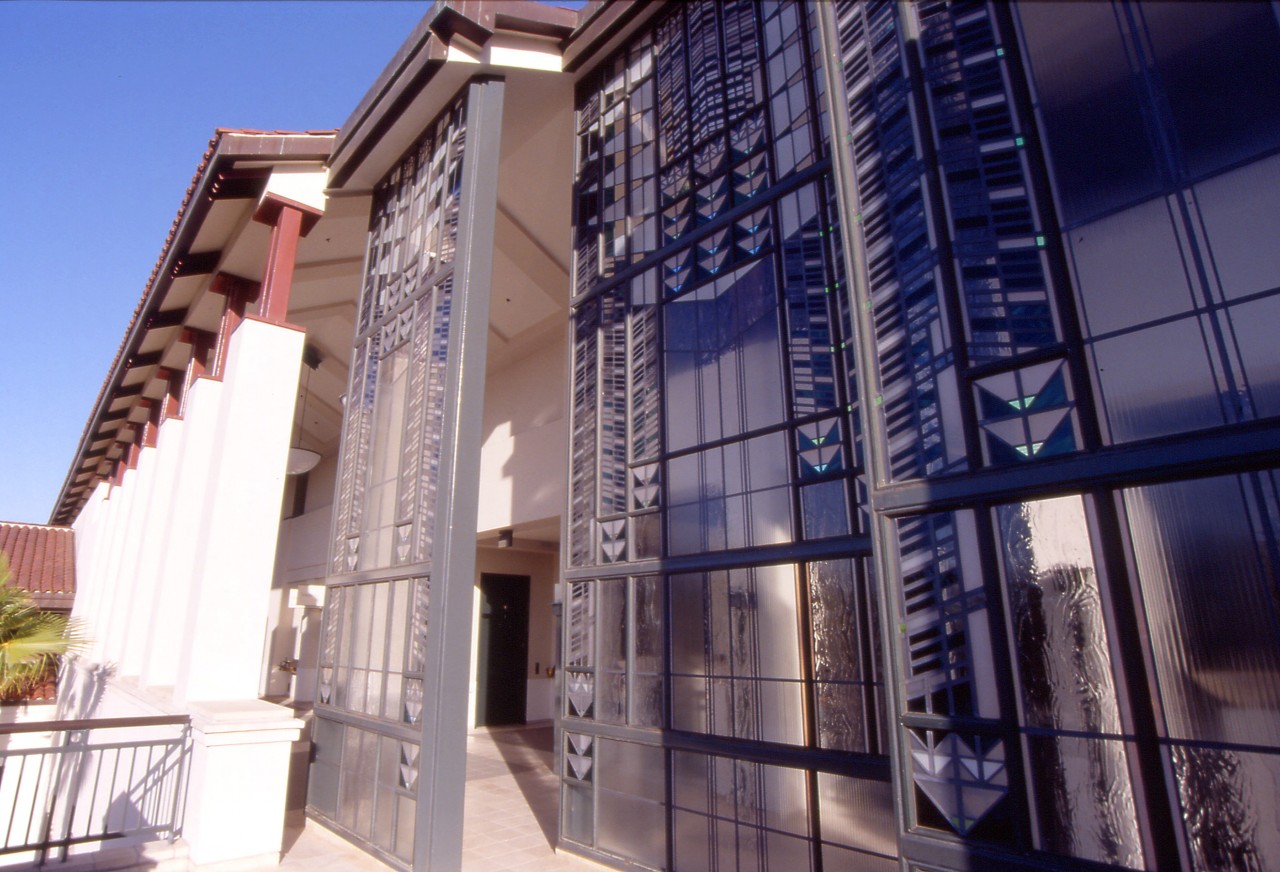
(184, 746)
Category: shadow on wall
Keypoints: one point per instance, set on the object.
(81, 689)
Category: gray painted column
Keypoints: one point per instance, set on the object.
(446, 680)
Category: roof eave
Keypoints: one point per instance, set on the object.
(226, 147)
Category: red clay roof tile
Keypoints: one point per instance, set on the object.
(42, 560)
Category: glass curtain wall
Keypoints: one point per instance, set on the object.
(723, 705)
(1060, 218)
(370, 701)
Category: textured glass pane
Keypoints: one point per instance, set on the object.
(629, 767)
(378, 625)
(359, 626)
(646, 536)
(390, 408)
(1102, 154)
(646, 701)
(405, 826)
(647, 630)
(1064, 663)
(766, 624)
(837, 653)
(720, 339)
(787, 852)
(611, 691)
(322, 787)
(786, 798)
(824, 509)
(689, 648)
(1129, 268)
(1084, 800)
(577, 822)
(836, 857)
(633, 828)
(1217, 63)
(401, 616)
(1229, 807)
(858, 813)
(689, 705)
(1240, 209)
(780, 710)
(359, 767)
(693, 843)
(1253, 326)
(1203, 551)
(689, 772)
(1157, 381)
(385, 797)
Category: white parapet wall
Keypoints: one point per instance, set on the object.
(176, 567)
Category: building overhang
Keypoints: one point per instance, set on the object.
(212, 242)
(455, 41)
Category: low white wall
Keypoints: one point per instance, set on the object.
(182, 556)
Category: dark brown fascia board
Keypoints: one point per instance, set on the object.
(413, 65)
(601, 22)
(196, 264)
(168, 318)
(141, 361)
(240, 184)
(422, 55)
(475, 24)
(227, 147)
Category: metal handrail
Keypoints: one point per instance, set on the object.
(86, 791)
(94, 724)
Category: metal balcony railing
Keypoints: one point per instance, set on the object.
(116, 780)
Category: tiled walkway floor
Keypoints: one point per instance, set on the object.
(509, 818)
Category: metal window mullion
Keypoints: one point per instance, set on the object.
(1157, 801)
(1060, 291)
(442, 767)
(875, 451)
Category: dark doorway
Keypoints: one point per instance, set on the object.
(503, 650)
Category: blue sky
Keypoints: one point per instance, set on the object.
(105, 110)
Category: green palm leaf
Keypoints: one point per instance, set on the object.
(31, 640)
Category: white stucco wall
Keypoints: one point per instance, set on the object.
(522, 460)
(175, 570)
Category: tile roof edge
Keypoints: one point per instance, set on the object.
(113, 369)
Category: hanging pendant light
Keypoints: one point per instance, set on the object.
(303, 459)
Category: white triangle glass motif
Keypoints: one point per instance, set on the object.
(963, 784)
(581, 691)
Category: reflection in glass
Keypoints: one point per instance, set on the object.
(1103, 156)
(1204, 551)
(735, 654)
(1129, 268)
(1253, 327)
(1157, 381)
(1217, 64)
(1064, 663)
(839, 670)
(858, 813)
(1240, 210)
(1084, 798)
(1229, 806)
(723, 359)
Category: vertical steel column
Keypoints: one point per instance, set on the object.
(875, 451)
(446, 678)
